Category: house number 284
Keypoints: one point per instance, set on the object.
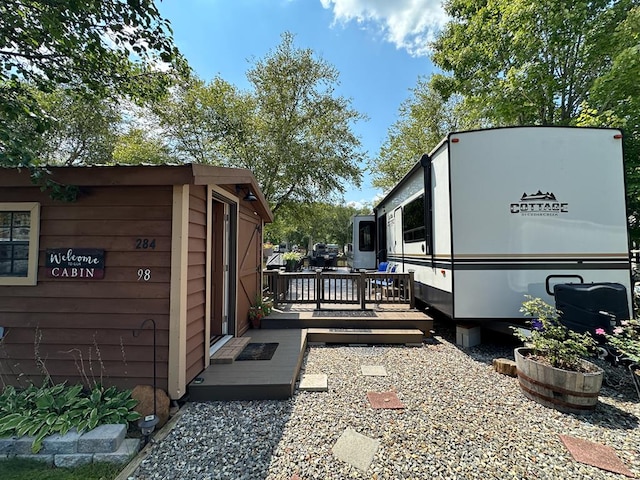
(144, 274)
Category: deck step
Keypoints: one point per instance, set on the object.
(410, 336)
(230, 350)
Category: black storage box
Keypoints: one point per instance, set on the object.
(580, 303)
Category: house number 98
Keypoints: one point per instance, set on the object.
(144, 274)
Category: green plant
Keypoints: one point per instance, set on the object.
(625, 339)
(261, 308)
(42, 411)
(291, 256)
(550, 341)
(26, 469)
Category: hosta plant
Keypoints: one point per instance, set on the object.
(42, 411)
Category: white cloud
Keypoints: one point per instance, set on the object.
(408, 24)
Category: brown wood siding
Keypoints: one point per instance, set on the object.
(196, 286)
(83, 330)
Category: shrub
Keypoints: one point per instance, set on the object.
(551, 341)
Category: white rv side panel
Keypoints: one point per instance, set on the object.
(580, 172)
(530, 203)
(440, 180)
(514, 211)
(494, 294)
(393, 209)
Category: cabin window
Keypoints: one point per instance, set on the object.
(366, 232)
(413, 220)
(19, 228)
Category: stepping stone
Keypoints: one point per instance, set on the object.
(387, 400)
(373, 370)
(314, 383)
(355, 449)
(595, 454)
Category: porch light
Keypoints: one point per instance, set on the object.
(249, 197)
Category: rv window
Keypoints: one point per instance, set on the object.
(413, 220)
(18, 243)
(365, 236)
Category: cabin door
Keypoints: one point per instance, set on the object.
(221, 273)
(249, 264)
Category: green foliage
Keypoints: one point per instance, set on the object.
(26, 469)
(291, 256)
(290, 130)
(551, 341)
(614, 101)
(308, 223)
(42, 411)
(528, 62)
(544, 62)
(261, 308)
(82, 128)
(425, 119)
(97, 48)
(136, 147)
(625, 338)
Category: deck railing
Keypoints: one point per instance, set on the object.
(322, 287)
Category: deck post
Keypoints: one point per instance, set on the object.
(362, 288)
(319, 287)
(275, 282)
(412, 297)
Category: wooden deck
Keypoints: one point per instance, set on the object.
(348, 316)
(256, 379)
(292, 327)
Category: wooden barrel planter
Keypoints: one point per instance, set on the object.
(564, 390)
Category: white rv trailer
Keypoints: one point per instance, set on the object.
(490, 216)
(361, 249)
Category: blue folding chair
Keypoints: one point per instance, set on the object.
(386, 282)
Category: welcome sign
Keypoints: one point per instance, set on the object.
(85, 263)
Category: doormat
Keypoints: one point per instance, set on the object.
(595, 454)
(258, 351)
(344, 313)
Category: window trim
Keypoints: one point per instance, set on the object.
(409, 234)
(372, 232)
(34, 241)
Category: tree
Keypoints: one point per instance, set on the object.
(291, 130)
(82, 129)
(208, 122)
(424, 119)
(313, 222)
(100, 47)
(136, 147)
(614, 101)
(310, 151)
(548, 63)
(524, 61)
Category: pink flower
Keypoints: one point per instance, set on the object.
(618, 330)
(600, 331)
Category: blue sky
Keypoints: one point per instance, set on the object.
(377, 46)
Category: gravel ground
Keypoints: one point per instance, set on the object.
(461, 421)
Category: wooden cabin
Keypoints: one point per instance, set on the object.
(80, 280)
